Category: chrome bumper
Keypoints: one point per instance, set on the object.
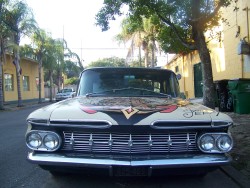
(164, 161)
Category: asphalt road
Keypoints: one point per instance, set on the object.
(15, 171)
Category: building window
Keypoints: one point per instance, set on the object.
(8, 82)
(26, 84)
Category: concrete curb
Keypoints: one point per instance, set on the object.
(13, 107)
(236, 176)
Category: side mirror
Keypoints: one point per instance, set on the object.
(178, 76)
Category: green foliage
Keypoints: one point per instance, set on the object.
(72, 69)
(71, 81)
(180, 20)
(108, 62)
(135, 64)
(169, 42)
(27, 51)
(184, 25)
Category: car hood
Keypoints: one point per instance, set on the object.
(128, 111)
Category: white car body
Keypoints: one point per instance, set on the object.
(65, 93)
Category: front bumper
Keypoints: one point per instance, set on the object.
(163, 161)
(62, 98)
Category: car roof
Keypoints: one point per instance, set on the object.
(130, 68)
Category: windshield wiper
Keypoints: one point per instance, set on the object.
(127, 88)
(100, 93)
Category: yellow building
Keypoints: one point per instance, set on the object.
(28, 80)
(226, 62)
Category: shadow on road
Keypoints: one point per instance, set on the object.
(76, 180)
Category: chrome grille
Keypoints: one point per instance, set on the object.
(129, 143)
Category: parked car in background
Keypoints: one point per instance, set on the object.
(128, 122)
(65, 94)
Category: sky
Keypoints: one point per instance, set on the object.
(74, 21)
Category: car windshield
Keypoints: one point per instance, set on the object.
(65, 90)
(128, 82)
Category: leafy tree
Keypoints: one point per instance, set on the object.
(4, 35)
(73, 57)
(21, 22)
(40, 42)
(55, 50)
(142, 34)
(49, 65)
(135, 63)
(131, 31)
(71, 69)
(71, 81)
(58, 60)
(108, 62)
(187, 21)
(65, 61)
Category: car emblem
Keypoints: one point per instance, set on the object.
(128, 112)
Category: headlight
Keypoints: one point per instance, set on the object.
(224, 143)
(43, 140)
(215, 143)
(33, 140)
(207, 143)
(51, 141)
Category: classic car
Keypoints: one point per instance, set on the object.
(128, 122)
(65, 94)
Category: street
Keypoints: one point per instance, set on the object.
(15, 171)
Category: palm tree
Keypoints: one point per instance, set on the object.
(3, 48)
(4, 41)
(53, 60)
(40, 40)
(151, 28)
(49, 63)
(131, 31)
(50, 55)
(141, 33)
(60, 64)
(2, 53)
(68, 53)
(21, 21)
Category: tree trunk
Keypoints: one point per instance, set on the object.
(51, 86)
(139, 56)
(208, 85)
(19, 94)
(59, 80)
(2, 59)
(140, 50)
(1, 87)
(40, 81)
(146, 57)
(153, 54)
(18, 69)
(200, 42)
(18, 74)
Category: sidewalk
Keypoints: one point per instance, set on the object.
(241, 134)
(13, 106)
(240, 131)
